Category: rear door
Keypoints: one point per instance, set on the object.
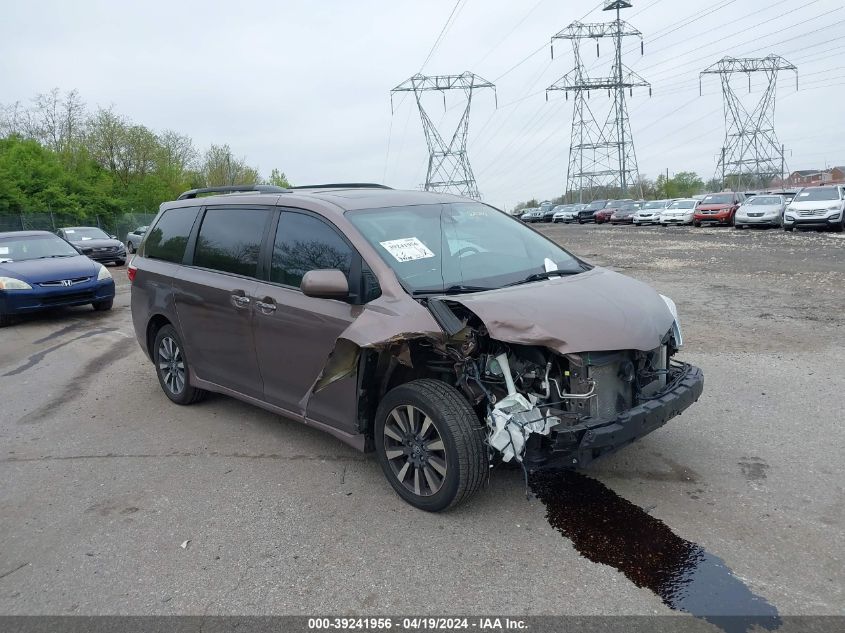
(215, 293)
(295, 334)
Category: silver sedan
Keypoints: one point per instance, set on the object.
(762, 210)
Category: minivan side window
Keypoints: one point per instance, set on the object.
(305, 243)
(229, 240)
(168, 238)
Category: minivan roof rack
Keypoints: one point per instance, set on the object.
(345, 185)
(193, 193)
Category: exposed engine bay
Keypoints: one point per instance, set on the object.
(534, 401)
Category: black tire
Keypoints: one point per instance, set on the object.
(180, 392)
(464, 457)
(5, 319)
(788, 228)
(696, 224)
(580, 221)
(103, 306)
(129, 248)
(120, 262)
(739, 226)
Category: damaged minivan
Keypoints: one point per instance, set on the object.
(435, 330)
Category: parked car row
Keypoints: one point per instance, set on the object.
(818, 207)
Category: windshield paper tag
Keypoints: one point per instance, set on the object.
(407, 249)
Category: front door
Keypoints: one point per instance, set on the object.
(295, 334)
(214, 297)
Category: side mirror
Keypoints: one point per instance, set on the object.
(325, 284)
(114, 237)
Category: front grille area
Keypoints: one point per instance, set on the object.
(808, 213)
(59, 283)
(69, 297)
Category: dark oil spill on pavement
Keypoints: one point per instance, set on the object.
(605, 528)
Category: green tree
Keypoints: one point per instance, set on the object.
(278, 178)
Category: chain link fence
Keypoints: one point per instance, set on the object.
(113, 225)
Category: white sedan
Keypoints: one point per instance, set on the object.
(650, 212)
(679, 212)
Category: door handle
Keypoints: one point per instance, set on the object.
(240, 301)
(266, 308)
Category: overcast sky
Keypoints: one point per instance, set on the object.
(304, 85)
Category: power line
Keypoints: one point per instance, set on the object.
(440, 36)
(509, 33)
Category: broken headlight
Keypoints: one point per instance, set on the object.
(676, 324)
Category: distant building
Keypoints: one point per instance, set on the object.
(813, 177)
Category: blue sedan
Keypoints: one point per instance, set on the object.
(39, 270)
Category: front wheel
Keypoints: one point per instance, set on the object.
(696, 224)
(172, 367)
(103, 306)
(5, 319)
(788, 228)
(430, 444)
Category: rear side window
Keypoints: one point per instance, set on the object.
(305, 243)
(229, 240)
(169, 236)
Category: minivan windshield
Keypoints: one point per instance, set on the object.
(459, 247)
(23, 248)
(815, 194)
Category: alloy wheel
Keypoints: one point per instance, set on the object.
(415, 450)
(171, 364)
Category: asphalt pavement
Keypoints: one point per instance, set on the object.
(115, 501)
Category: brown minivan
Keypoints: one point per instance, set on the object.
(435, 330)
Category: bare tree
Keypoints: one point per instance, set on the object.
(56, 121)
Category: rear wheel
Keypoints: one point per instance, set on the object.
(130, 248)
(430, 444)
(172, 367)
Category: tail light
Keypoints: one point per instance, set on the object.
(130, 272)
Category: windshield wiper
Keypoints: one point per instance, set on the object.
(51, 256)
(544, 275)
(451, 290)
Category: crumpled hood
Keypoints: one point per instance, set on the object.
(40, 270)
(599, 310)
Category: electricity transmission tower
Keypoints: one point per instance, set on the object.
(751, 155)
(602, 160)
(449, 170)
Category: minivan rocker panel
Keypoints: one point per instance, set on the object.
(554, 370)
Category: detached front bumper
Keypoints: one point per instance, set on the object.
(576, 447)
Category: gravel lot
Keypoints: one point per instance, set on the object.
(104, 479)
